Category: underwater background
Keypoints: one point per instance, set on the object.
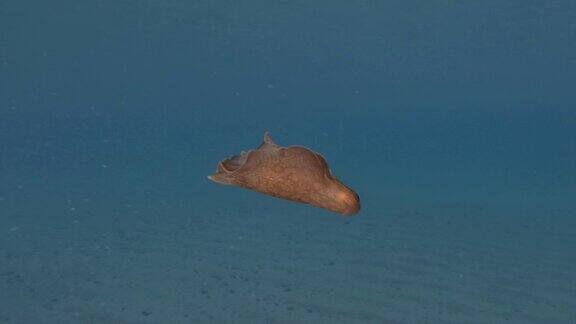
(455, 121)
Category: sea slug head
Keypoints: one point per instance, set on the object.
(343, 199)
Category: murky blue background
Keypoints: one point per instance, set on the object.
(454, 121)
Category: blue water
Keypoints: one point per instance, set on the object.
(454, 121)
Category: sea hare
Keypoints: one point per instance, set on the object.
(294, 173)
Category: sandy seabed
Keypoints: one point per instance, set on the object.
(122, 254)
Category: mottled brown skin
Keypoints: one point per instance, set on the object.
(295, 173)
